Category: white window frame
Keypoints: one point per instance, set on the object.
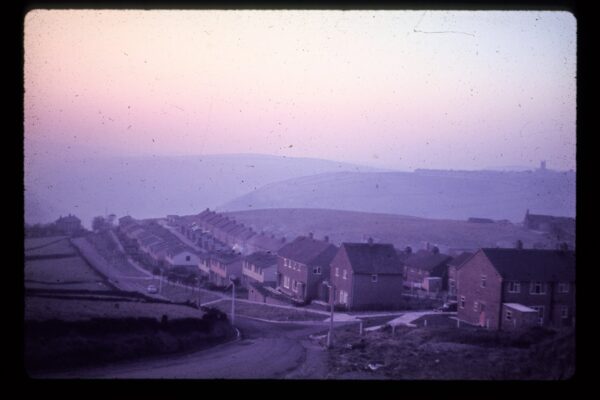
(344, 274)
(475, 306)
(374, 278)
(563, 287)
(286, 281)
(483, 282)
(516, 287)
(295, 286)
(463, 301)
(337, 271)
(317, 270)
(542, 288)
(564, 312)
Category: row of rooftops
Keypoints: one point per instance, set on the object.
(153, 236)
(369, 258)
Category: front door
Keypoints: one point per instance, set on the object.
(482, 315)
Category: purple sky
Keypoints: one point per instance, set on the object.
(395, 89)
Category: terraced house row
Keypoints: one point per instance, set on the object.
(497, 288)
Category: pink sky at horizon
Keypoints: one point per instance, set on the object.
(496, 89)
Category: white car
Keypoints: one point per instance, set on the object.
(152, 289)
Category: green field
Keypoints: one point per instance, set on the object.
(40, 308)
(56, 245)
(31, 243)
(268, 312)
(61, 270)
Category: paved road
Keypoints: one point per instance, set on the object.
(266, 351)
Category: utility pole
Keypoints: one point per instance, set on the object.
(160, 282)
(331, 298)
(232, 279)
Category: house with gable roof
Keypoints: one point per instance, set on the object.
(367, 276)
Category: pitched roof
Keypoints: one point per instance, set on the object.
(373, 258)
(533, 264)
(426, 260)
(460, 259)
(308, 250)
(225, 257)
(261, 259)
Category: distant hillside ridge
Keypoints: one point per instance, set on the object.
(425, 193)
(148, 187)
(400, 230)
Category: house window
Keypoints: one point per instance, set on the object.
(475, 306)
(564, 312)
(374, 278)
(514, 287)
(483, 281)
(286, 262)
(537, 288)
(187, 258)
(286, 282)
(295, 286)
(540, 310)
(462, 301)
(508, 315)
(345, 274)
(563, 287)
(317, 270)
(337, 271)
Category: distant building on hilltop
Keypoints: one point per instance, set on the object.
(561, 228)
(69, 225)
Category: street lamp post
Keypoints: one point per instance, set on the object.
(160, 281)
(232, 280)
(331, 297)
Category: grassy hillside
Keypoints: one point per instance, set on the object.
(428, 194)
(93, 186)
(351, 226)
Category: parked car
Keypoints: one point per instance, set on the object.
(152, 289)
(449, 306)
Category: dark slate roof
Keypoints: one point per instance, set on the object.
(533, 264)
(539, 218)
(426, 260)
(262, 259)
(309, 251)
(265, 242)
(460, 259)
(374, 258)
(225, 257)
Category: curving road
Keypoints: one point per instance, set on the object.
(265, 351)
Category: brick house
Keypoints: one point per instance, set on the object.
(224, 265)
(423, 265)
(261, 268)
(366, 276)
(302, 266)
(493, 280)
(453, 267)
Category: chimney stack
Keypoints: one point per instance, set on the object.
(435, 250)
(283, 239)
(519, 245)
(310, 235)
(370, 240)
(326, 238)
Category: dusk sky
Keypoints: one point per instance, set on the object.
(394, 89)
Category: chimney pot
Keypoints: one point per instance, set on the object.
(326, 238)
(310, 235)
(370, 240)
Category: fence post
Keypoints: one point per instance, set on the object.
(393, 330)
(457, 323)
(425, 323)
(360, 329)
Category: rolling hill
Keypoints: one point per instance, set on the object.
(423, 193)
(153, 186)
